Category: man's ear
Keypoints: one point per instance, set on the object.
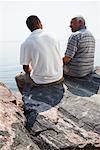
(80, 22)
(39, 25)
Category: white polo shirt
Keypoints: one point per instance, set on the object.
(43, 53)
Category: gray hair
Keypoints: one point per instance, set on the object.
(79, 18)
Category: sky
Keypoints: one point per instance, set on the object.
(55, 16)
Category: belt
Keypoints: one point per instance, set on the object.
(52, 83)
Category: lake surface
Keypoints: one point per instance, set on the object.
(9, 61)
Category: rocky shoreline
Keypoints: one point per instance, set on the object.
(71, 124)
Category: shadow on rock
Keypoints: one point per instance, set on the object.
(84, 86)
(40, 99)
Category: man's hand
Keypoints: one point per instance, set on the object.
(66, 60)
(27, 68)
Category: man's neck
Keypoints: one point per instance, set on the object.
(82, 27)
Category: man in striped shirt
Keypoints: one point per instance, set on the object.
(79, 55)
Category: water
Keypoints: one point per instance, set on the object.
(9, 61)
(7, 76)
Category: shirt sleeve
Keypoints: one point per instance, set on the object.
(71, 46)
(25, 54)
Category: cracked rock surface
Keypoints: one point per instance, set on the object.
(13, 134)
(64, 117)
(73, 122)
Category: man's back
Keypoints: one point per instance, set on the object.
(83, 60)
(79, 55)
(44, 54)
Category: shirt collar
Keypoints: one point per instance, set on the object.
(82, 29)
(37, 31)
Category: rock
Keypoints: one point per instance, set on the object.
(5, 94)
(19, 101)
(57, 117)
(97, 70)
(86, 86)
(13, 134)
(70, 123)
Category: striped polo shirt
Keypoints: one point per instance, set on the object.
(81, 47)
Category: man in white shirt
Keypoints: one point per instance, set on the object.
(40, 57)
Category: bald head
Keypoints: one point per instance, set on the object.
(80, 19)
(77, 23)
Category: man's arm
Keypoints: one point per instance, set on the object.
(66, 60)
(27, 68)
(71, 49)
